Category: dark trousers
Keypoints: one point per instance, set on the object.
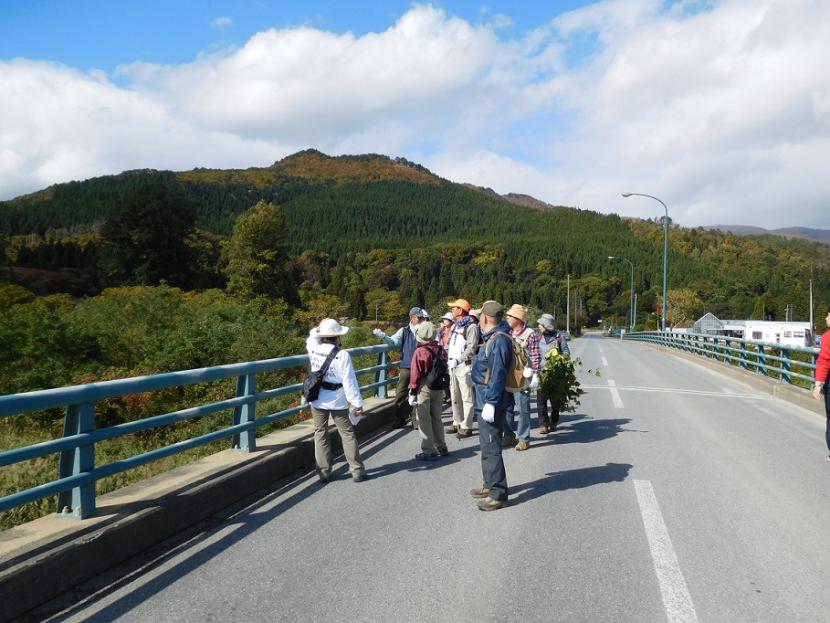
(403, 410)
(827, 414)
(542, 400)
(492, 465)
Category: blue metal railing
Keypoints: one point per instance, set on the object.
(769, 359)
(77, 472)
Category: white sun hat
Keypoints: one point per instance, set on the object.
(329, 327)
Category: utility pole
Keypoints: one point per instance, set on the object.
(811, 304)
(568, 307)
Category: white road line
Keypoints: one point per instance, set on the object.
(676, 598)
(615, 395)
(605, 362)
(600, 350)
(673, 390)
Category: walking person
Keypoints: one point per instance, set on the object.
(338, 390)
(427, 401)
(527, 337)
(460, 352)
(404, 341)
(822, 372)
(550, 338)
(489, 374)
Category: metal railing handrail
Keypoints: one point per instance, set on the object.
(77, 472)
(748, 354)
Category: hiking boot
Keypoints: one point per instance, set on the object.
(452, 428)
(426, 456)
(508, 440)
(544, 430)
(480, 492)
(522, 445)
(463, 433)
(359, 477)
(443, 451)
(489, 504)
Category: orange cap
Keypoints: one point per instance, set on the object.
(462, 303)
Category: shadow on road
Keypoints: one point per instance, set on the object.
(584, 429)
(569, 479)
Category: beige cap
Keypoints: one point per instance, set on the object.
(425, 332)
(518, 311)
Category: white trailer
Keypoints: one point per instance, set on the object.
(774, 332)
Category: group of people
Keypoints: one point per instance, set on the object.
(470, 344)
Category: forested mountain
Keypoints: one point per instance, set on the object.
(369, 236)
(805, 233)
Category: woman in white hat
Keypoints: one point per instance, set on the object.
(339, 389)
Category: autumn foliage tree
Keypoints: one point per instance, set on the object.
(257, 255)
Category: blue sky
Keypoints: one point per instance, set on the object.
(94, 34)
(719, 107)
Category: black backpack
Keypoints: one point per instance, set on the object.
(439, 376)
(314, 381)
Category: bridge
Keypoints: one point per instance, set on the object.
(679, 491)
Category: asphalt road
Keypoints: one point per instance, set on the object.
(672, 494)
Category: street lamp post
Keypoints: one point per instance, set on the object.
(631, 301)
(665, 248)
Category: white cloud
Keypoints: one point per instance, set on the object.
(61, 124)
(221, 22)
(722, 109)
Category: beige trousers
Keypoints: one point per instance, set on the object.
(322, 448)
(463, 398)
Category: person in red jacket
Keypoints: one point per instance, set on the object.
(822, 371)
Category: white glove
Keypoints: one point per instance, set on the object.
(488, 413)
(378, 334)
(452, 363)
(413, 400)
(534, 383)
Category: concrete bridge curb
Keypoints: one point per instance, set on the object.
(47, 557)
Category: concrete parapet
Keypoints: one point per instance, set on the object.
(45, 558)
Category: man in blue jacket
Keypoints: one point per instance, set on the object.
(404, 341)
(489, 375)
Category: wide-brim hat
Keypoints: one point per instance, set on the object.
(518, 311)
(448, 316)
(329, 327)
(425, 332)
(546, 320)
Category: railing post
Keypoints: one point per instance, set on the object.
(245, 441)
(762, 358)
(78, 502)
(786, 366)
(382, 375)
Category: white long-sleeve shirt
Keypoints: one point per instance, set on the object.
(341, 371)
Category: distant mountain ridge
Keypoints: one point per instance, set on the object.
(802, 233)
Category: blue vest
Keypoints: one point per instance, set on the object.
(408, 347)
